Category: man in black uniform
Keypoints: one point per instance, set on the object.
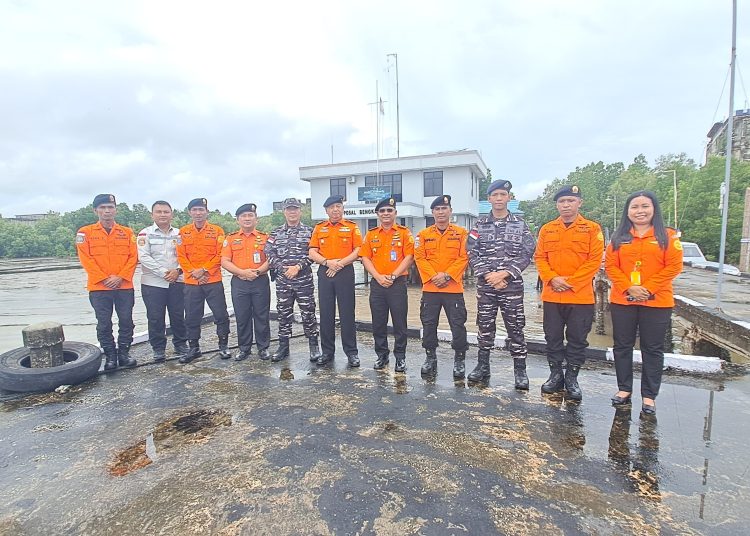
(287, 249)
(500, 248)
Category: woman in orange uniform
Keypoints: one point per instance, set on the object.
(642, 260)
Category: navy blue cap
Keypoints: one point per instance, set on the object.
(103, 198)
(568, 190)
(499, 185)
(198, 202)
(441, 200)
(247, 207)
(333, 199)
(387, 202)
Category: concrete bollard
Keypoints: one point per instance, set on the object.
(45, 343)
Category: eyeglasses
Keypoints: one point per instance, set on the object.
(386, 210)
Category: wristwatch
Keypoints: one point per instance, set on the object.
(447, 278)
(391, 277)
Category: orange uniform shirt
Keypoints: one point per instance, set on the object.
(657, 268)
(442, 252)
(103, 254)
(336, 240)
(200, 248)
(386, 249)
(245, 250)
(573, 252)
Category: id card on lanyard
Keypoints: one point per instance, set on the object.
(635, 275)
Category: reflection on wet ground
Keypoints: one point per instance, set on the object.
(292, 448)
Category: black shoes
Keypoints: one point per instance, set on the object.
(111, 359)
(263, 354)
(400, 363)
(323, 359)
(459, 365)
(556, 381)
(283, 350)
(224, 347)
(180, 348)
(194, 351)
(482, 371)
(242, 355)
(519, 373)
(159, 356)
(353, 360)
(571, 382)
(648, 409)
(621, 400)
(381, 362)
(124, 359)
(314, 348)
(429, 367)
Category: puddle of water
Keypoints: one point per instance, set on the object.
(193, 427)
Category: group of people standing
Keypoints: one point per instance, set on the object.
(182, 271)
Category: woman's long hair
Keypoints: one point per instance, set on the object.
(622, 233)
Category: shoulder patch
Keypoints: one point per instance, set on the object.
(678, 244)
(226, 243)
(474, 234)
(141, 240)
(600, 236)
(80, 238)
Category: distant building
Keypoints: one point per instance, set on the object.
(414, 181)
(717, 137)
(30, 219)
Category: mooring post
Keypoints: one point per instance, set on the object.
(45, 343)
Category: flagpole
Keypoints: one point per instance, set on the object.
(728, 157)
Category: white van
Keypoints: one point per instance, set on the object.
(691, 253)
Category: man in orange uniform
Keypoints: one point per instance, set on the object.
(387, 252)
(199, 255)
(108, 254)
(334, 245)
(440, 255)
(568, 254)
(243, 255)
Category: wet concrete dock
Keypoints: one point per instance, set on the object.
(220, 447)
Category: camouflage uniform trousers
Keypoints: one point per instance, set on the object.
(510, 303)
(301, 289)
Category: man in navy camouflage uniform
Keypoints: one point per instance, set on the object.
(287, 248)
(500, 247)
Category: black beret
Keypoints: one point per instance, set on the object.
(499, 185)
(569, 190)
(104, 198)
(441, 200)
(291, 202)
(387, 202)
(333, 199)
(247, 207)
(198, 202)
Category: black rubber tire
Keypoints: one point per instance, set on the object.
(82, 361)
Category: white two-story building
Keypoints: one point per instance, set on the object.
(414, 181)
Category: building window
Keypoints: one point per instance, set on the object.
(371, 224)
(433, 183)
(429, 220)
(388, 180)
(338, 187)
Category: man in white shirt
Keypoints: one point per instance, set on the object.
(161, 281)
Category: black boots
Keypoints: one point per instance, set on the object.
(193, 352)
(242, 355)
(556, 381)
(181, 348)
(224, 347)
(263, 354)
(353, 360)
(314, 348)
(111, 359)
(159, 356)
(283, 350)
(459, 365)
(400, 363)
(571, 382)
(123, 357)
(381, 362)
(429, 368)
(519, 372)
(482, 371)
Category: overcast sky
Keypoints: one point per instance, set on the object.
(227, 99)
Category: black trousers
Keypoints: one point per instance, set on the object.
(196, 296)
(393, 300)
(103, 301)
(252, 303)
(571, 321)
(652, 324)
(160, 300)
(338, 289)
(455, 310)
